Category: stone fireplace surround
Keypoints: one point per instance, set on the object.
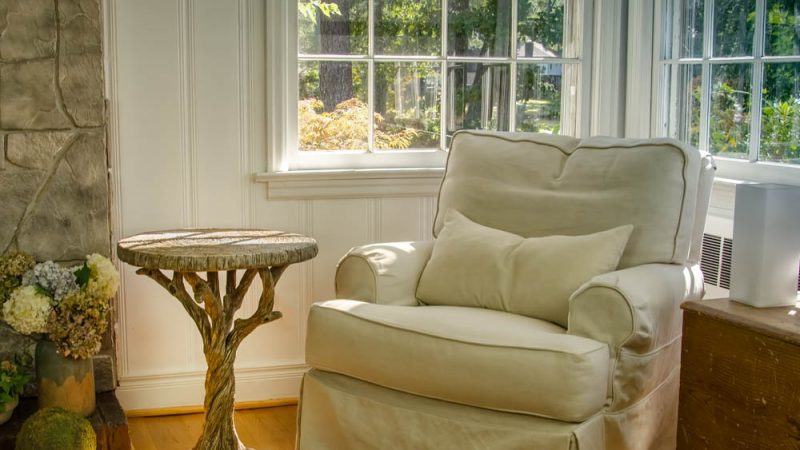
(54, 170)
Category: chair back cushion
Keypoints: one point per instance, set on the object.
(537, 185)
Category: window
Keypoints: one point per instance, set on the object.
(385, 83)
(730, 70)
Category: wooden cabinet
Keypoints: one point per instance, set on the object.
(740, 377)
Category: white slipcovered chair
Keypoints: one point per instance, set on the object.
(389, 371)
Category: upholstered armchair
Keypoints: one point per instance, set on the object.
(545, 314)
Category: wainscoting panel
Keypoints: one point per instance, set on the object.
(221, 96)
(401, 219)
(337, 225)
(151, 180)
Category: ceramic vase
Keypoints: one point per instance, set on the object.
(64, 382)
(8, 409)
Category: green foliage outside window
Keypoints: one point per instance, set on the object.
(405, 27)
(730, 107)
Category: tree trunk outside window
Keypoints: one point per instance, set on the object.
(335, 78)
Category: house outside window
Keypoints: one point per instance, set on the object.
(730, 77)
(385, 83)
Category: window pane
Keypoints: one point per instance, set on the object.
(780, 115)
(692, 15)
(540, 28)
(408, 27)
(538, 102)
(734, 22)
(407, 99)
(478, 96)
(332, 112)
(730, 109)
(332, 27)
(684, 111)
(479, 28)
(783, 21)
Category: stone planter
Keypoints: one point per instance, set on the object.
(7, 410)
(64, 382)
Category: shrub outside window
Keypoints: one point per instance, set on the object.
(400, 76)
(731, 72)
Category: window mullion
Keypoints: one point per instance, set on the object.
(371, 75)
(705, 108)
(706, 85)
(443, 110)
(758, 81)
(667, 75)
(676, 38)
(671, 124)
(512, 90)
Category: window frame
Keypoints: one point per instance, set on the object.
(282, 99)
(751, 169)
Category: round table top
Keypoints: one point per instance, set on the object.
(212, 250)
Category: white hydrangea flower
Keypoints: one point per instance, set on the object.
(105, 278)
(27, 310)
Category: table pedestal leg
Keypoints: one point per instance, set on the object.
(219, 431)
(221, 338)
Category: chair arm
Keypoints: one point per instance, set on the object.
(383, 273)
(636, 309)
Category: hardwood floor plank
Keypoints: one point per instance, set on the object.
(266, 428)
(270, 428)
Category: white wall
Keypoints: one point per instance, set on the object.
(186, 83)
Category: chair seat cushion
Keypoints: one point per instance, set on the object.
(473, 356)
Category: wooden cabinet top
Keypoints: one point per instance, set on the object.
(781, 323)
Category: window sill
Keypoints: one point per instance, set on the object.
(373, 183)
(344, 184)
(732, 172)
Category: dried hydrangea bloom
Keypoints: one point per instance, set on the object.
(15, 264)
(27, 310)
(77, 324)
(8, 367)
(12, 266)
(57, 281)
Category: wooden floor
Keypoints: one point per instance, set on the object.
(266, 428)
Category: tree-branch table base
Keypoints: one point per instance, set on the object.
(259, 253)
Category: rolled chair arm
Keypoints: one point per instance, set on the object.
(636, 309)
(383, 273)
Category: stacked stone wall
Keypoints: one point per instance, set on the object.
(54, 184)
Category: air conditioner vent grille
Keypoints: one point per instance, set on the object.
(709, 258)
(715, 261)
(725, 267)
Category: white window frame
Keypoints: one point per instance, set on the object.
(282, 87)
(733, 169)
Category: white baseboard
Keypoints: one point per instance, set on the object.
(187, 389)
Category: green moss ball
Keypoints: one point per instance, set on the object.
(56, 429)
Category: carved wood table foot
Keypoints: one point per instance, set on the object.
(186, 253)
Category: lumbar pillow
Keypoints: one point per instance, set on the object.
(478, 266)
